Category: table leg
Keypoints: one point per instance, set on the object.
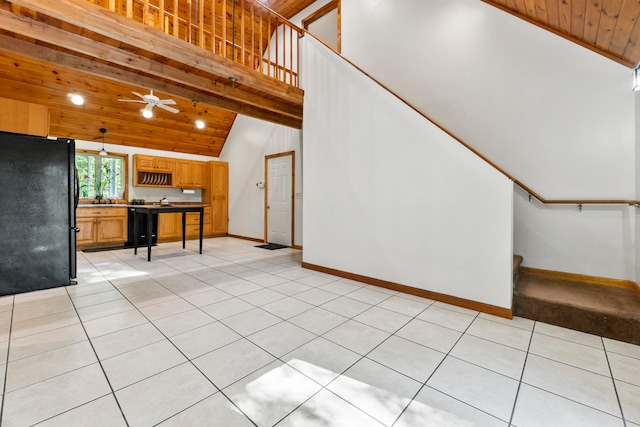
(201, 226)
(135, 233)
(184, 234)
(149, 239)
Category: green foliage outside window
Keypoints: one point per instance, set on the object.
(100, 177)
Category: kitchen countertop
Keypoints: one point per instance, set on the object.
(146, 205)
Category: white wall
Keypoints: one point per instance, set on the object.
(326, 28)
(149, 193)
(249, 141)
(390, 196)
(596, 241)
(556, 116)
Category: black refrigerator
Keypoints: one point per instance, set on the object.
(38, 199)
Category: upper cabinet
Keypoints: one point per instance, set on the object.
(23, 117)
(152, 171)
(153, 163)
(190, 174)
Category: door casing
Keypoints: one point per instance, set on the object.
(266, 192)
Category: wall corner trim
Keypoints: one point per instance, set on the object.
(507, 313)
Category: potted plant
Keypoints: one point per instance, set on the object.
(103, 183)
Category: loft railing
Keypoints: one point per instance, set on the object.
(244, 31)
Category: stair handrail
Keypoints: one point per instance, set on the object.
(532, 193)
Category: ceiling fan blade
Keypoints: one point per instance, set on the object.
(167, 102)
(131, 100)
(171, 109)
(138, 95)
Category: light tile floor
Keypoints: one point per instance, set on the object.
(242, 336)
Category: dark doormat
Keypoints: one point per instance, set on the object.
(272, 246)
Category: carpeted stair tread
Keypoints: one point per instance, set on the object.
(517, 260)
(608, 311)
(608, 299)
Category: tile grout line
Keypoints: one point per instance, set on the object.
(424, 384)
(6, 366)
(324, 387)
(242, 261)
(613, 380)
(97, 357)
(365, 355)
(188, 360)
(524, 366)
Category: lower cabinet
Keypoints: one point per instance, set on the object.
(99, 227)
(193, 224)
(170, 225)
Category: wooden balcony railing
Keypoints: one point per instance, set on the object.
(244, 31)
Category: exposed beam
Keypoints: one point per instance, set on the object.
(33, 51)
(40, 31)
(86, 15)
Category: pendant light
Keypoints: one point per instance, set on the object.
(103, 152)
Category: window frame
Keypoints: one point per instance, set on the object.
(125, 168)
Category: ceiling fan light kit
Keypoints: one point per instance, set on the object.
(152, 101)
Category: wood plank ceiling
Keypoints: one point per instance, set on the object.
(608, 27)
(52, 48)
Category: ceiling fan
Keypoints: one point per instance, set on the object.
(152, 101)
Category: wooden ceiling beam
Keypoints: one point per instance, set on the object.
(86, 15)
(40, 53)
(28, 27)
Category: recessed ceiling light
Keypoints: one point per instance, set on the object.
(76, 99)
(200, 124)
(147, 114)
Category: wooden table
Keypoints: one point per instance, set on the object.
(149, 210)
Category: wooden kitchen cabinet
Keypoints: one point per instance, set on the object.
(215, 194)
(189, 174)
(87, 234)
(192, 224)
(152, 171)
(169, 227)
(106, 226)
(23, 117)
(153, 163)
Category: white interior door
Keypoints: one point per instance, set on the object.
(279, 199)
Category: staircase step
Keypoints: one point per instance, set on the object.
(604, 310)
(517, 260)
